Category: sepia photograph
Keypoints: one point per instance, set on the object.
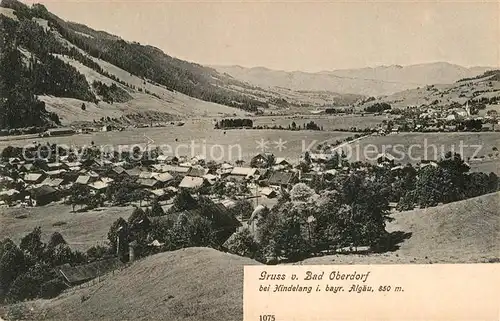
(153, 151)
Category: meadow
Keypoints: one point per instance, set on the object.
(415, 147)
(328, 122)
(80, 230)
(198, 137)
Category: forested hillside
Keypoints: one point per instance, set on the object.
(34, 41)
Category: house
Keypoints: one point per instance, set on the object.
(146, 175)
(15, 161)
(228, 203)
(85, 179)
(117, 171)
(241, 173)
(331, 172)
(307, 177)
(9, 195)
(108, 128)
(319, 157)
(190, 182)
(26, 167)
(210, 178)
(385, 157)
(98, 186)
(44, 194)
(162, 158)
(53, 182)
(34, 178)
(198, 159)
(451, 117)
(268, 192)
(72, 166)
(163, 178)
(196, 171)
(223, 221)
(100, 164)
(433, 164)
(225, 169)
(167, 159)
(262, 160)
(281, 161)
(160, 192)
(284, 179)
(147, 182)
(53, 166)
(171, 169)
(134, 172)
(55, 173)
(61, 131)
(74, 275)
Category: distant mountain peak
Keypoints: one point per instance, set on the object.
(371, 81)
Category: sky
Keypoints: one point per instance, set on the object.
(298, 35)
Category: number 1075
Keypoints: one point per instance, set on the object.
(267, 317)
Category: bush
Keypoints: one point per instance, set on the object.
(24, 287)
(55, 239)
(242, 243)
(52, 288)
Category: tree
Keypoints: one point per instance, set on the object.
(62, 254)
(24, 287)
(32, 244)
(192, 231)
(243, 208)
(291, 234)
(79, 195)
(98, 252)
(156, 209)
(84, 107)
(121, 191)
(118, 236)
(12, 263)
(301, 193)
(242, 243)
(55, 239)
(8, 152)
(137, 215)
(183, 201)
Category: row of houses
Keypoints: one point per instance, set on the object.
(40, 182)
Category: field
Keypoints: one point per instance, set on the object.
(215, 144)
(80, 230)
(198, 137)
(344, 122)
(188, 284)
(426, 145)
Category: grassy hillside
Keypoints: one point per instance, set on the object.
(42, 55)
(462, 232)
(189, 284)
(81, 230)
(482, 89)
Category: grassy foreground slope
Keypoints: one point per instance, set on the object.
(462, 232)
(188, 284)
(465, 231)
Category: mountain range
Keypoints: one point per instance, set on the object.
(377, 81)
(55, 72)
